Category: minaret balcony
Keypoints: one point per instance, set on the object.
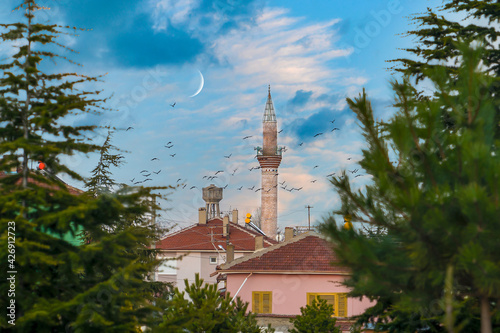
(279, 151)
(269, 161)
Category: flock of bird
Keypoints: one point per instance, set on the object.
(145, 174)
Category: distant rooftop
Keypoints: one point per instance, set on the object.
(308, 253)
(204, 237)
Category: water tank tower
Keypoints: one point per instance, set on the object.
(212, 196)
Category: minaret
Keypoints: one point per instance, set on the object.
(269, 157)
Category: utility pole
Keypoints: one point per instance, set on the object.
(309, 215)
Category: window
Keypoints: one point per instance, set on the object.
(213, 260)
(262, 301)
(338, 300)
(168, 266)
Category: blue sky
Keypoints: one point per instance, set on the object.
(314, 54)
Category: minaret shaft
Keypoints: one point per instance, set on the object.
(269, 202)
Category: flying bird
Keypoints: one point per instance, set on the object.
(353, 171)
(246, 137)
(283, 182)
(178, 180)
(318, 134)
(155, 158)
(225, 186)
(280, 131)
(300, 144)
(234, 171)
(129, 128)
(149, 174)
(350, 158)
(332, 121)
(157, 172)
(184, 186)
(251, 188)
(219, 171)
(239, 188)
(329, 175)
(316, 166)
(144, 171)
(192, 187)
(173, 155)
(335, 129)
(172, 105)
(357, 176)
(169, 146)
(228, 156)
(257, 190)
(145, 180)
(314, 181)
(132, 180)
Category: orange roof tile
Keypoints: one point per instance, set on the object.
(305, 253)
(206, 236)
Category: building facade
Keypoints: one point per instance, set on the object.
(200, 247)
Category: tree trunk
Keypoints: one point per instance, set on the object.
(449, 320)
(485, 315)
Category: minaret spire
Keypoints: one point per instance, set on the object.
(269, 157)
(269, 115)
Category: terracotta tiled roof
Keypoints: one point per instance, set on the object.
(31, 180)
(308, 252)
(205, 236)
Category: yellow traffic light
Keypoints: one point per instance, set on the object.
(249, 218)
(347, 221)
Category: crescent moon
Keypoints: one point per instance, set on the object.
(200, 87)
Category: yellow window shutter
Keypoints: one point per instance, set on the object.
(342, 305)
(266, 302)
(256, 302)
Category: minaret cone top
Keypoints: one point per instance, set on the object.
(269, 115)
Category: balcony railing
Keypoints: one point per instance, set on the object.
(279, 151)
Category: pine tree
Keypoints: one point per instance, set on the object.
(101, 180)
(204, 310)
(436, 196)
(315, 318)
(437, 35)
(60, 286)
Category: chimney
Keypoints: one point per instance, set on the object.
(235, 216)
(288, 233)
(202, 216)
(259, 243)
(225, 228)
(229, 253)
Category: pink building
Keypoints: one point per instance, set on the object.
(277, 281)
